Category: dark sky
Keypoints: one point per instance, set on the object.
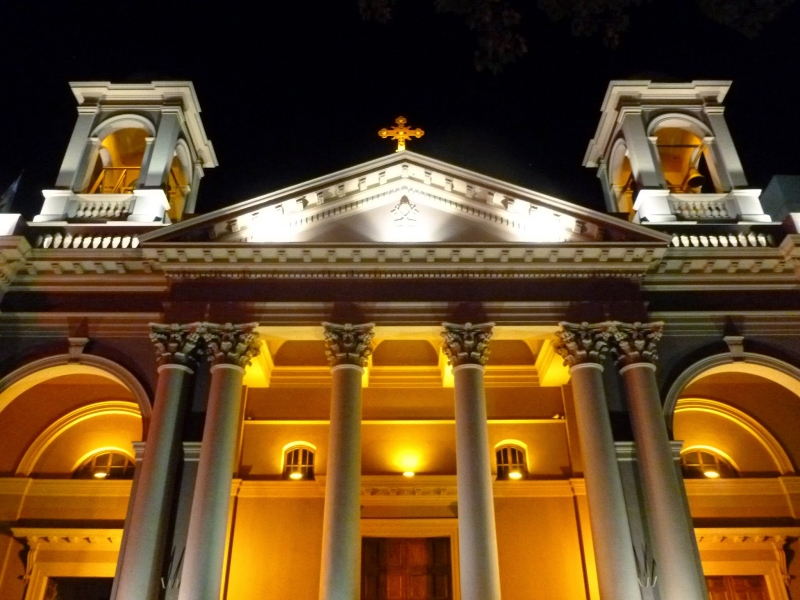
(295, 90)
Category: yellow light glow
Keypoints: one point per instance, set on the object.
(711, 474)
(100, 475)
(407, 461)
(515, 475)
(408, 473)
(296, 475)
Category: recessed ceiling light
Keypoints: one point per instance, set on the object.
(408, 473)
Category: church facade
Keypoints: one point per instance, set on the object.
(403, 380)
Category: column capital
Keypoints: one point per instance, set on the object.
(583, 343)
(348, 344)
(230, 344)
(466, 344)
(176, 344)
(634, 343)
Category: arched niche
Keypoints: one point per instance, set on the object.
(761, 388)
(68, 441)
(684, 154)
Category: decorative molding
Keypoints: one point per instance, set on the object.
(69, 539)
(48, 436)
(70, 488)
(177, 344)
(582, 343)
(348, 344)
(466, 344)
(230, 344)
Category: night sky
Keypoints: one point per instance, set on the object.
(297, 91)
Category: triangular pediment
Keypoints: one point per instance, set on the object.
(404, 198)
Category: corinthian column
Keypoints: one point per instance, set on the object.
(230, 348)
(678, 568)
(467, 348)
(139, 568)
(584, 348)
(347, 349)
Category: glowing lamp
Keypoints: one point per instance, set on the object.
(296, 475)
(515, 475)
(711, 474)
(408, 473)
(100, 474)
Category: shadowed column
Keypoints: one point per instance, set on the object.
(230, 348)
(584, 349)
(467, 348)
(678, 568)
(347, 349)
(139, 569)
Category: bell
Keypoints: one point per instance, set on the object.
(694, 179)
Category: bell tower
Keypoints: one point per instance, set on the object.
(137, 154)
(663, 152)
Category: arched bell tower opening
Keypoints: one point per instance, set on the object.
(663, 152)
(137, 154)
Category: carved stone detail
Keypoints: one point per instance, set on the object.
(633, 343)
(583, 343)
(348, 344)
(176, 344)
(466, 344)
(230, 344)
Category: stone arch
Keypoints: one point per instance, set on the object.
(30, 374)
(676, 134)
(776, 370)
(125, 121)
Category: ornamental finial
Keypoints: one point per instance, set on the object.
(401, 133)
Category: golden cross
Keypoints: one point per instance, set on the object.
(401, 133)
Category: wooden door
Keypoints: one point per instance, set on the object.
(405, 569)
(737, 587)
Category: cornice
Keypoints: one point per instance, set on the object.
(380, 261)
(732, 268)
(694, 324)
(69, 539)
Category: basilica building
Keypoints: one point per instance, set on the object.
(404, 380)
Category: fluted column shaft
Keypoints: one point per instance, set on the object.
(140, 566)
(230, 349)
(467, 349)
(679, 572)
(348, 347)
